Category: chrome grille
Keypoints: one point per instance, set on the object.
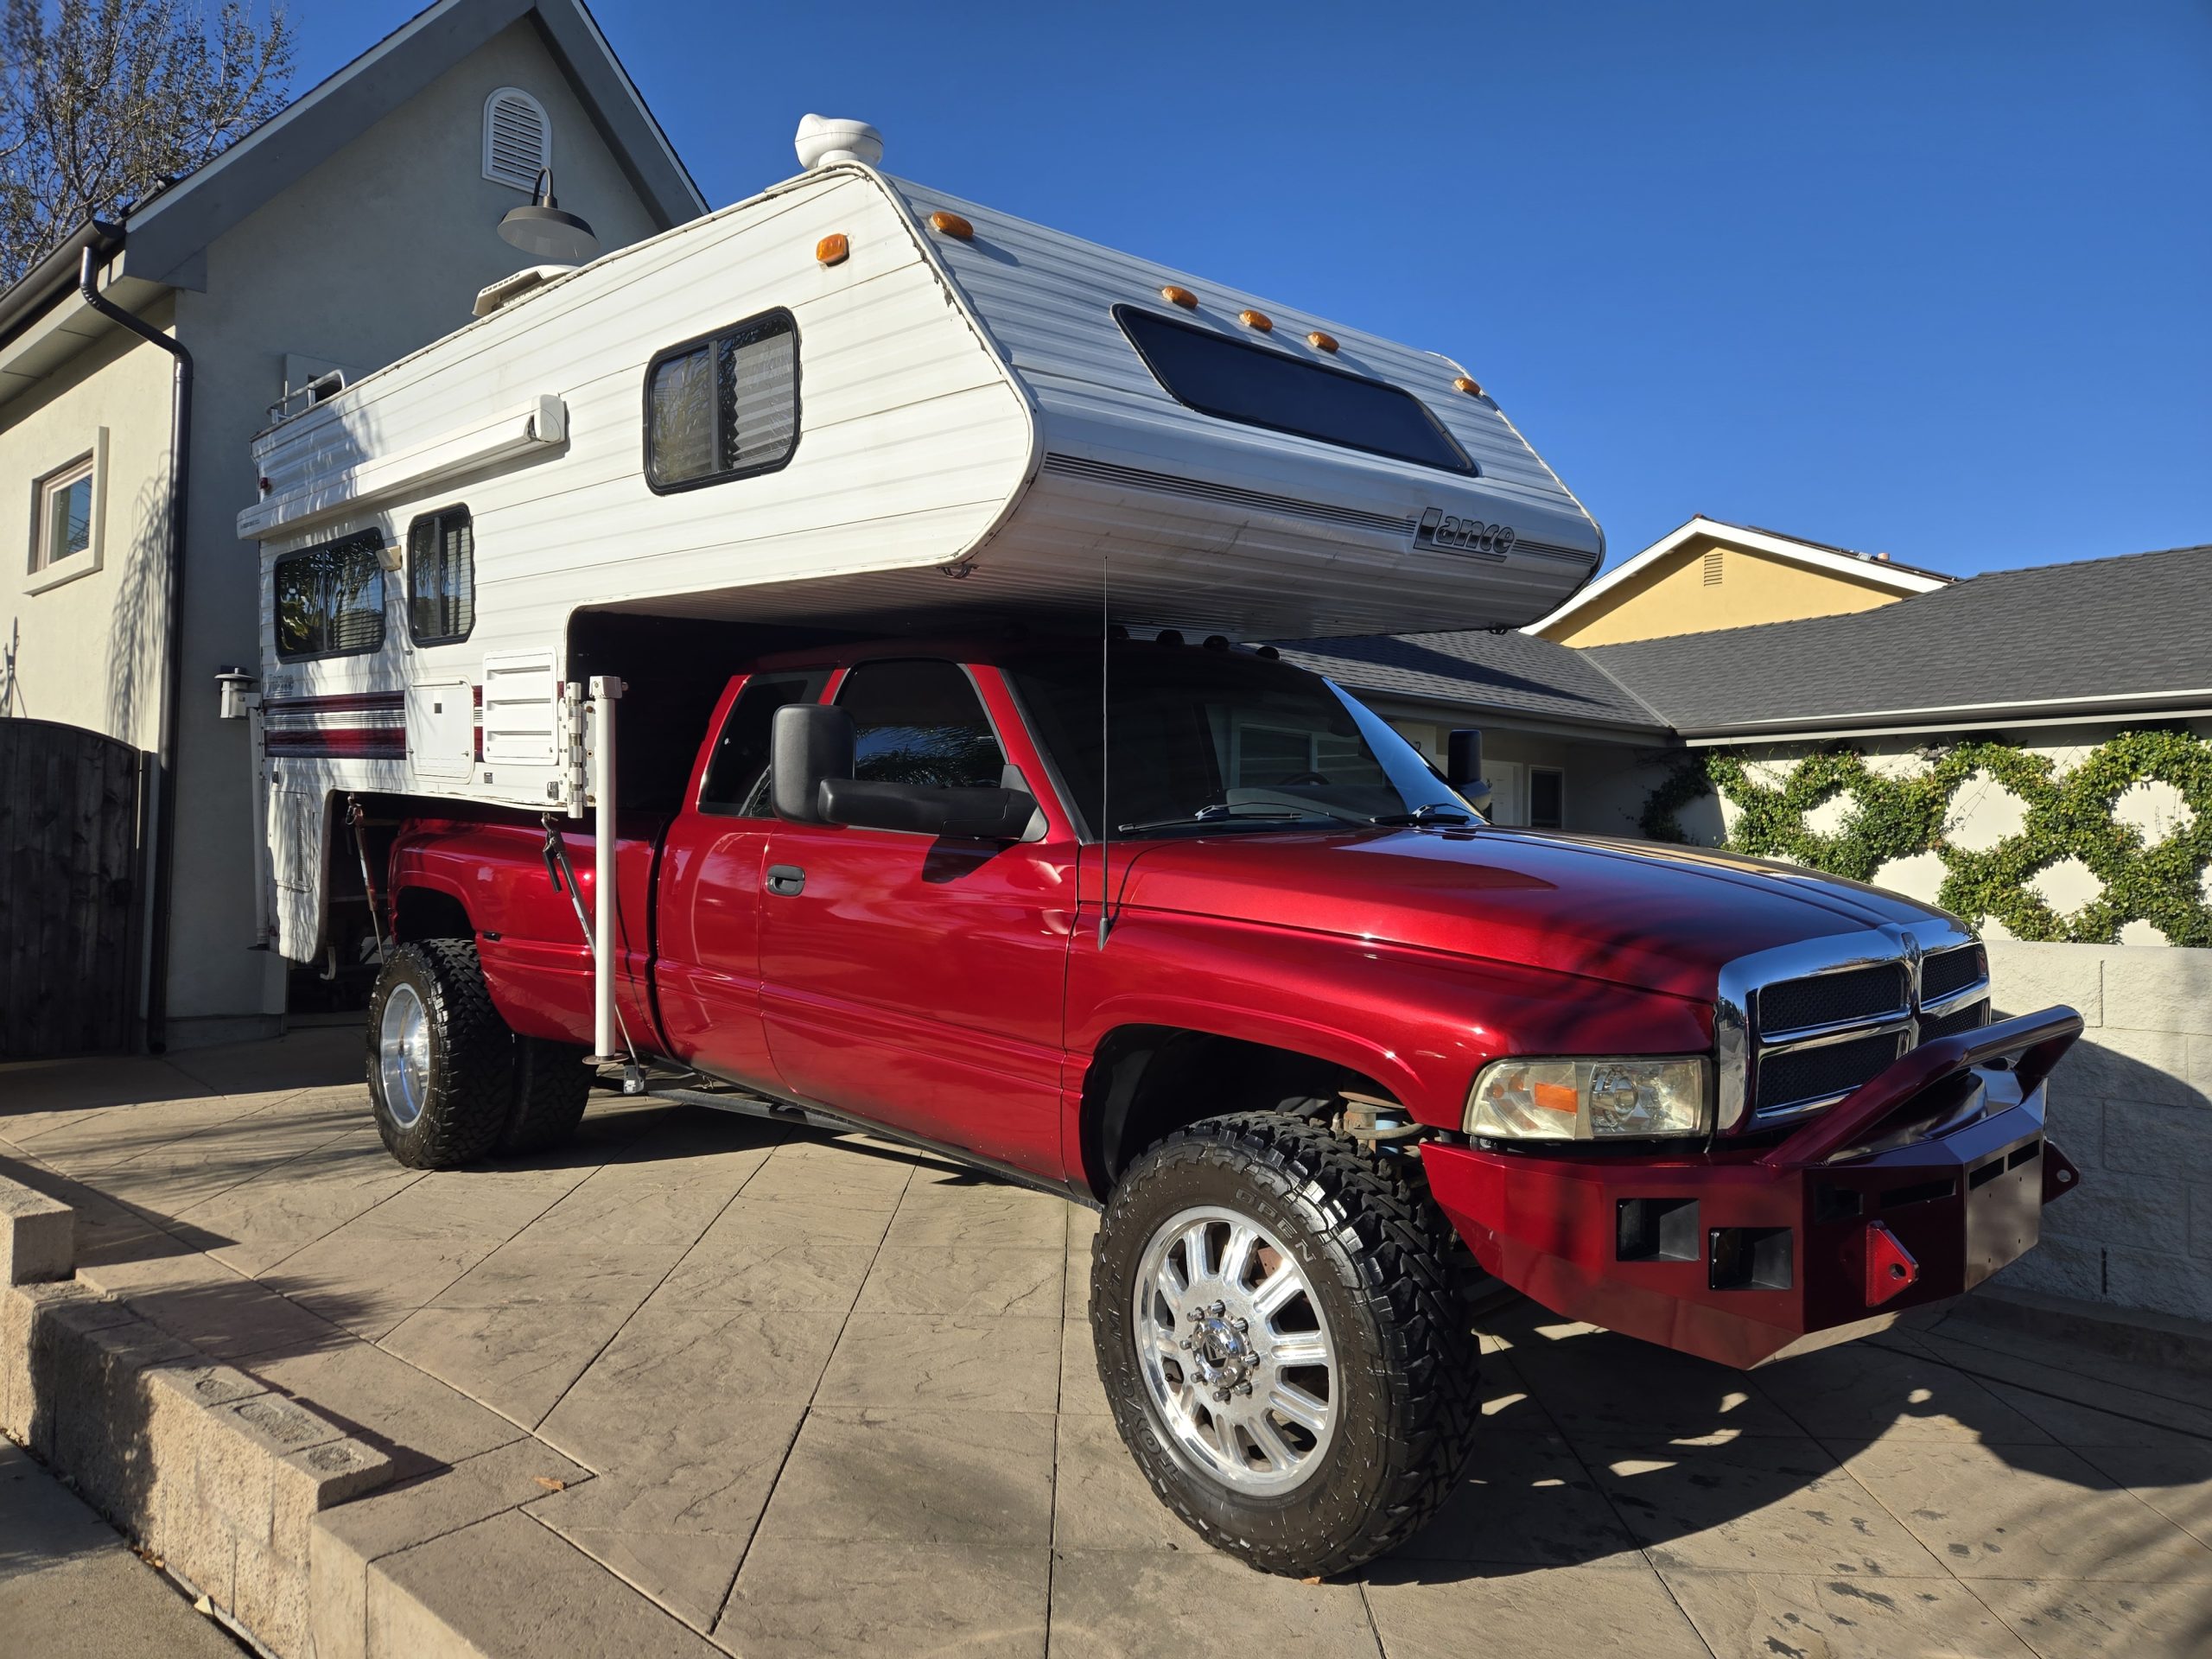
(1800, 1027)
(1821, 1071)
(1950, 972)
(1855, 993)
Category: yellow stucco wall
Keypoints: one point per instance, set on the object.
(89, 629)
(1674, 597)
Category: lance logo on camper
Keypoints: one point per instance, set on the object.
(1440, 529)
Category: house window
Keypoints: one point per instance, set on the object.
(62, 515)
(518, 138)
(723, 407)
(329, 600)
(1547, 798)
(440, 577)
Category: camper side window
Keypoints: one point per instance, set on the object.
(329, 600)
(440, 577)
(723, 407)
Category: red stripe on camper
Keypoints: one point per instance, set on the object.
(346, 742)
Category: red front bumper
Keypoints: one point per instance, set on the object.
(1743, 1256)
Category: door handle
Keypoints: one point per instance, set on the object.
(787, 879)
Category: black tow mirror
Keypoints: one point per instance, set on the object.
(810, 744)
(1463, 764)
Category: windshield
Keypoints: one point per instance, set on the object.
(1219, 739)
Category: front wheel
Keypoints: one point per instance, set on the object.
(1277, 1329)
(441, 1060)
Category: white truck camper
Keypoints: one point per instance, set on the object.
(849, 404)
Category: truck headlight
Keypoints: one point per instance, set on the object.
(1590, 1100)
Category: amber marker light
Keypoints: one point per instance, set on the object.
(1258, 319)
(1181, 297)
(1321, 342)
(832, 250)
(1463, 384)
(952, 224)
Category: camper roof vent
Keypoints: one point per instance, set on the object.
(491, 298)
(823, 141)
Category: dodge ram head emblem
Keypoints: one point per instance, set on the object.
(1438, 529)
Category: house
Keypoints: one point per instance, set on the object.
(1709, 574)
(348, 232)
(2031, 747)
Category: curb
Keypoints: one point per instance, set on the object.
(213, 1475)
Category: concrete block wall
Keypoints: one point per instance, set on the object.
(2132, 1105)
(204, 1467)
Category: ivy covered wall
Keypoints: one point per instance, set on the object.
(2104, 842)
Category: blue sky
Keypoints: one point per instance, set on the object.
(1933, 279)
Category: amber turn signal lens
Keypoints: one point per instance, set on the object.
(952, 224)
(1181, 297)
(1321, 342)
(1464, 384)
(832, 250)
(1258, 319)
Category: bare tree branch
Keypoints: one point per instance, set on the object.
(104, 102)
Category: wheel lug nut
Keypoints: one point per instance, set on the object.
(1187, 1342)
(1241, 1325)
(1243, 1388)
(1218, 1309)
(1221, 1395)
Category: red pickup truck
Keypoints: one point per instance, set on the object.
(1251, 975)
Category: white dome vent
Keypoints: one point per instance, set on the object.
(824, 141)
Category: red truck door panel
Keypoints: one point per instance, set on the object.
(913, 980)
(708, 971)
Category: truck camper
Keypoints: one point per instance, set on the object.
(812, 664)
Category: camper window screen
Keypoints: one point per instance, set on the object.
(441, 577)
(1237, 381)
(723, 407)
(329, 600)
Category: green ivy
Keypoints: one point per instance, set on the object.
(1897, 818)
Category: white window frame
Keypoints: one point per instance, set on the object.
(545, 128)
(46, 572)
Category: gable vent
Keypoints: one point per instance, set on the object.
(1712, 569)
(518, 138)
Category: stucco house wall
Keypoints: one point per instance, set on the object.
(91, 627)
(1680, 594)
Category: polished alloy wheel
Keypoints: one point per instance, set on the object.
(404, 1055)
(1234, 1352)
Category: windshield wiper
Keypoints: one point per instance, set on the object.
(1220, 814)
(1434, 812)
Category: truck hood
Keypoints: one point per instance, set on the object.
(1629, 912)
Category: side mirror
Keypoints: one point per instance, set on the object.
(1463, 764)
(810, 744)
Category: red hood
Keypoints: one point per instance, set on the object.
(1631, 912)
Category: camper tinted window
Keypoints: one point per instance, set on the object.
(441, 577)
(329, 600)
(1237, 381)
(723, 407)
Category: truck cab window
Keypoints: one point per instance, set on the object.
(737, 773)
(920, 722)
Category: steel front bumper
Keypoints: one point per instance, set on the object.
(1914, 1188)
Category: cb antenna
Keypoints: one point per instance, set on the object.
(1105, 751)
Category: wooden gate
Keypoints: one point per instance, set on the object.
(70, 874)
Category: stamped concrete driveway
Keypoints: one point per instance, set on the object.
(702, 1382)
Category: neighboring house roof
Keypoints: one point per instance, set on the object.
(1863, 567)
(2101, 637)
(1513, 673)
(163, 237)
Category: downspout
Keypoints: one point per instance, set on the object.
(157, 987)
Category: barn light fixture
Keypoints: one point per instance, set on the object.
(547, 229)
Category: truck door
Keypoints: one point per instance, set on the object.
(915, 980)
(707, 974)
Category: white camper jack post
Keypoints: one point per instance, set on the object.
(605, 692)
